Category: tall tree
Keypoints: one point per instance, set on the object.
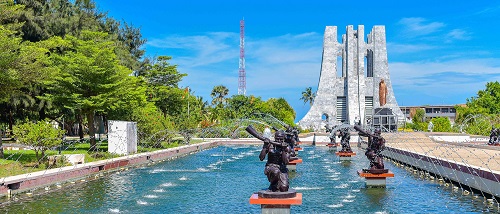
(132, 41)
(90, 79)
(162, 85)
(308, 96)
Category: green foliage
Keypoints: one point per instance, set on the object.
(241, 106)
(22, 64)
(162, 85)
(479, 126)
(24, 68)
(441, 124)
(10, 77)
(418, 121)
(419, 116)
(131, 41)
(153, 126)
(307, 130)
(40, 135)
(281, 110)
(418, 126)
(10, 14)
(487, 102)
(481, 112)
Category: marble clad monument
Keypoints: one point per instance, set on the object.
(353, 94)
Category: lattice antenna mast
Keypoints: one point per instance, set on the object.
(242, 75)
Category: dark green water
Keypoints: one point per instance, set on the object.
(222, 179)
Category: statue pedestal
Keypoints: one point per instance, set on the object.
(276, 202)
(375, 178)
(298, 143)
(332, 146)
(345, 156)
(292, 165)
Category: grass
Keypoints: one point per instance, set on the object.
(16, 162)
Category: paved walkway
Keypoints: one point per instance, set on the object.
(469, 154)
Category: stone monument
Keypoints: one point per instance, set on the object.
(361, 88)
(122, 137)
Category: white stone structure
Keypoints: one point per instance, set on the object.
(122, 137)
(353, 93)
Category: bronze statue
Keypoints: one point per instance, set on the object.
(278, 156)
(382, 92)
(376, 144)
(345, 138)
(291, 138)
(332, 135)
(494, 136)
(295, 132)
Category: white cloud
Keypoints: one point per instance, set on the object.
(201, 50)
(417, 26)
(449, 78)
(489, 11)
(458, 34)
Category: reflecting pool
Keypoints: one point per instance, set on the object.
(222, 179)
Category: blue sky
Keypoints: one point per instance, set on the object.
(440, 52)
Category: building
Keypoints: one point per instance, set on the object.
(448, 111)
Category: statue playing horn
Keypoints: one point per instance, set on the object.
(376, 144)
(278, 156)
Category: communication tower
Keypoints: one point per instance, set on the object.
(241, 71)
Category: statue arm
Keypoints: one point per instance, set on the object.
(285, 155)
(263, 152)
(382, 144)
(362, 132)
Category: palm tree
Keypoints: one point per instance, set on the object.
(218, 94)
(308, 96)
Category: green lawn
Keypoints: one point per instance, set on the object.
(17, 162)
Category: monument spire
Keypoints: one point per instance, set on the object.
(354, 97)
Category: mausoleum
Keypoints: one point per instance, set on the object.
(354, 84)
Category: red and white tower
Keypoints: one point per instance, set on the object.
(242, 85)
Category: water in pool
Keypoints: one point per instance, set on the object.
(222, 179)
